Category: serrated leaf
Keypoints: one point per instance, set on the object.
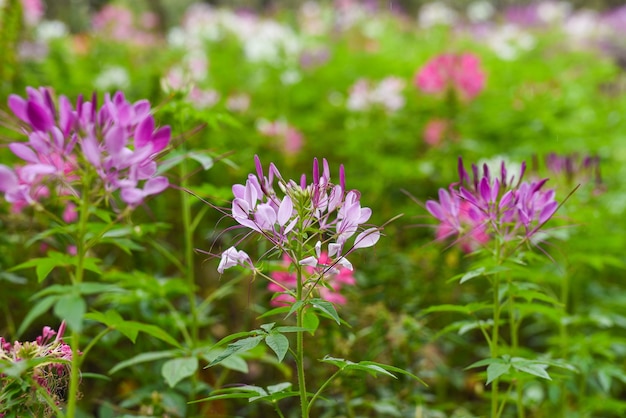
(497, 369)
(143, 358)
(71, 308)
(240, 346)
(177, 369)
(327, 308)
(279, 344)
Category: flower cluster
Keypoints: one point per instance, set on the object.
(491, 206)
(291, 220)
(119, 141)
(386, 94)
(52, 372)
(458, 73)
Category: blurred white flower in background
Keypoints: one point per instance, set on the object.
(480, 11)
(508, 41)
(112, 78)
(48, 30)
(433, 14)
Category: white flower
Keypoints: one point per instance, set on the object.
(433, 14)
(50, 29)
(112, 78)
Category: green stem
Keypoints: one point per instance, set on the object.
(494, 341)
(321, 389)
(81, 250)
(188, 249)
(514, 329)
(304, 406)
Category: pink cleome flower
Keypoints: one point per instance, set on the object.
(459, 73)
(334, 278)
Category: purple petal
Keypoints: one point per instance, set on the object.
(24, 152)
(39, 118)
(115, 140)
(91, 150)
(240, 209)
(8, 179)
(161, 138)
(435, 209)
(143, 133)
(132, 195)
(366, 238)
(309, 261)
(155, 185)
(18, 107)
(547, 212)
(285, 210)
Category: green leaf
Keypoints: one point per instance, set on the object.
(310, 321)
(279, 344)
(177, 369)
(268, 327)
(39, 309)
(234, 362)
(205, 160)
(472, 274)
(143, 358)
(497, 369)
(279, 387)
(326, 307)
(275, 311)
(71, 308)
(532, 367)
(237, 347)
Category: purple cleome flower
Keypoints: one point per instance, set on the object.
(119, 141)
(321, 207)
(491, 206)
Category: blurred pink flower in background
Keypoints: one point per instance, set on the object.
(118, 23)
(336, 278)
(291, 139)
(435, 131)
(461, 73)
(203, 98)
(33, 11)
